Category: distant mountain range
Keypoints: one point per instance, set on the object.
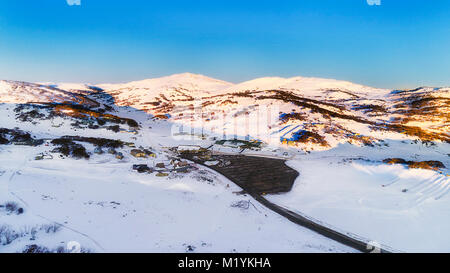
(312, 113)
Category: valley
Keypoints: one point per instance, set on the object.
(162, 165)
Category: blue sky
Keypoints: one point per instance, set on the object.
(399, 44)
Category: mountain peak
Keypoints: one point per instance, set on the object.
(175, 80)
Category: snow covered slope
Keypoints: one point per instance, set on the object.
(23, 92)
(309, 87)
(147, 93)
(49, 132)
(352, 190)
(308, 113)
(426, 107)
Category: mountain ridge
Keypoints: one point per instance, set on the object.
(317, 113)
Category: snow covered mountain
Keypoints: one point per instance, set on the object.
(23, 92)
(307, 113)
(100, 165)
(313, 113)
(147, 93)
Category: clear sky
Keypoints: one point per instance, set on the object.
(398, 44)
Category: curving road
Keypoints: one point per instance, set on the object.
(269, 181)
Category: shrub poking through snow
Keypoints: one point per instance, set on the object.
(3, 140)
(114, 128)
(12, 207)
(392, 161)
(131, 123)
(35, 249)
(431, 165)
(30, 116)
(7, 235)
(190, 248)
(428, 165)
(142, 168)
(96, 141)
(294, 116)
(304, 136)
(51, 228)
(69, 148)
(241, 204)
(85, 113)
(18, 137)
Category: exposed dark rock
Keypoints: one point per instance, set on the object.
(141, 168)
(429, 165)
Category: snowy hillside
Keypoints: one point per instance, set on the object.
(23, 92)
(104, 165)
(308, 87)
(181, 87)
(309, 113)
